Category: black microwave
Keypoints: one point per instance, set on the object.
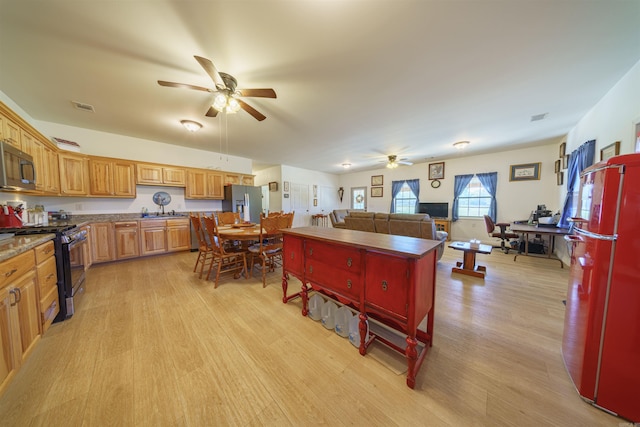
(17, 171)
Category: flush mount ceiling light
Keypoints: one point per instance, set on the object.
(346, 165)
(191, 125)
(460, 144)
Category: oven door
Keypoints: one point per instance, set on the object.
(74, 266)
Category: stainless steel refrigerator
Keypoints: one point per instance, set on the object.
(235, 200)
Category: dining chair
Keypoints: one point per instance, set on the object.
(205, 252)
(223, 260)
(228, 218)
(268, 250)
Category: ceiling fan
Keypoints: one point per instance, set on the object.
(227, 95)
(394, 162)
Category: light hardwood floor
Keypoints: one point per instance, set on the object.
(152, 345)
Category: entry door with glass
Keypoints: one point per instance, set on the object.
(359, 198)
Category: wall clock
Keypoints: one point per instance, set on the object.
(435, 183)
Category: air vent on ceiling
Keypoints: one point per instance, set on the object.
(83, 107)
(538, 117)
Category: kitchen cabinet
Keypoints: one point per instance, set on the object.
(111, 178)
(35, 149)
(204, 184)
(19, 317)
(238, 179)
(178, 235)
(47, 281)
(10, 132)
(153, 236)
(74, 174)
(127, 239)
(103, 246)
(52, 172)
(151, 174)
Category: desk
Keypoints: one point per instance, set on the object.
(550, 232)
(468, 263)
(386, 277)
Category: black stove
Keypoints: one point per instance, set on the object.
(70, 262)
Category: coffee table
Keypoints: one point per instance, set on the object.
(468, 264)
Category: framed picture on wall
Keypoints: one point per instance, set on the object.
(557, 168)
(436, 170)
(560, 178)
(377, 180)
(376, 191)
(565, 161)
(273, 186)
(525, 172)
(563, 150)
(609, 151)
(285, 186)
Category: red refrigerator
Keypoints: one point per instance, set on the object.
(601, 342)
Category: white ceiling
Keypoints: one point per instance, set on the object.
(355, 79)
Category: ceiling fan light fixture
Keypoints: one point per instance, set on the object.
(219, 102)
(191, 126)
(392, 165)
(233, 105)
(460, 145)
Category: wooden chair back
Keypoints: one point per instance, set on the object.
(228, 218)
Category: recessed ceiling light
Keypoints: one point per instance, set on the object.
(460, 144)
(190, 125)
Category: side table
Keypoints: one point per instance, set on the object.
(468, 264)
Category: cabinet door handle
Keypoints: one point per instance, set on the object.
(384, 285)
(292, 255)
(49, 276)
(19, 294)
(311, 269)
(10, 273)
(349, 262)
(15, 297)
(310, 251)
(349, 283)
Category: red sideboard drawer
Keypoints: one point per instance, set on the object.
(387, 283)
(293, 253)
(338, 257)
(344, 283)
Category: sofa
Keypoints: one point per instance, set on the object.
(337, 217)
(412, 225)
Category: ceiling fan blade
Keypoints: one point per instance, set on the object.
(404, 162)
(212, 112)
(184, 86)
(211, 71)
(258, 93)
(249, 109)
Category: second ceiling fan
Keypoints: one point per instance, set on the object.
(393, 161)
(227, 94)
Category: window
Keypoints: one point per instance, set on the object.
(475, 200)
(405, 201)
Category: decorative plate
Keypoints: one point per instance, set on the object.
(162, 198)
(435, 183)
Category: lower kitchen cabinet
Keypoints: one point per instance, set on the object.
(47, 279)
(153, 237)
(19, 316)
(178, 235)
(103, 245)
(127, 240)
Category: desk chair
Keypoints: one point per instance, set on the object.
(503, 234)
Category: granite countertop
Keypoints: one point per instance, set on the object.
(16, 245)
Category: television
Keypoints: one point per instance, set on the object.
(435, 210)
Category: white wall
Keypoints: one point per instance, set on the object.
(515, 200)
(264, 177)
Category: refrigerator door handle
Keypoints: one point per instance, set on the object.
(572, 240)
(611, 238)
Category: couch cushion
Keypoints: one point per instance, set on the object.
(408, 217)
(339, 214)
(357, 214)
(381, 222)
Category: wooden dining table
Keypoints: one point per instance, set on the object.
(244, 233)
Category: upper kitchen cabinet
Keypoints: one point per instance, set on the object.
(238, 179)
(10, 131)
(111, 178)
(74, 174)
(35, 149)
(150, 174)
(52, 178)
(204, 184)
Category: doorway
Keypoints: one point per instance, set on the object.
(359, 198)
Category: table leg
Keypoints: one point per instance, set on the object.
(469, 266)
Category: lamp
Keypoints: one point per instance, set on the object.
(190, 125)
(460, 145)
(340, 193)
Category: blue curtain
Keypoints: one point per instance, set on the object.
(459, 184)
(489, 181)
(396, 186)
(414, 185)
(579, 160)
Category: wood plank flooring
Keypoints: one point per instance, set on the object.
(153, 345)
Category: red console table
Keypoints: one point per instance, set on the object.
(386, 277)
